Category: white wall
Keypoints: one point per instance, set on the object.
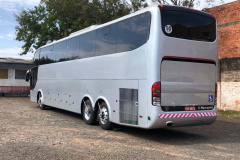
(229, 96)
(11, 81)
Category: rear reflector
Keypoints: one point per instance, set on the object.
(156, 94)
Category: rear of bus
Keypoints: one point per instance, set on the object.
(185, 90)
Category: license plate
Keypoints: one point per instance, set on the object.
(189, 108)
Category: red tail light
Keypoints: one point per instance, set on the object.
(215, 102)
(190, 9)
(156, 94)
(161, 5)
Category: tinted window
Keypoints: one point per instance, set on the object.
(188, 25)
(133, 32)
(20, 74)
(106, 40)
(47, 56)
(60, 51)
(87, 44)
(73, 48)
(33, 78)
(36, 57)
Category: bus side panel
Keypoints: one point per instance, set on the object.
(33, 95)
(63, 94)
(143, 103)
(100, 87)
(129, 103)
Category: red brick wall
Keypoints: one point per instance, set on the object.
(228, 19)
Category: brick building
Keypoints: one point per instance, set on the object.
(12, 77)
(228, 19)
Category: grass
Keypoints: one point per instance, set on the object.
(229, 114)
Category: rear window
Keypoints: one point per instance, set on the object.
(188, 25)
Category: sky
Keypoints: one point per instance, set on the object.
(9, 47)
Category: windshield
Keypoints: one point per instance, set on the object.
(188, 25)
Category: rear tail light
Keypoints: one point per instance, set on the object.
(190, 9)
(215, 101)
(156, 94)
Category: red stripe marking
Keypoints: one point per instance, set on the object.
(180, 115)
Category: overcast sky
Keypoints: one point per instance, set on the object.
(9, 47)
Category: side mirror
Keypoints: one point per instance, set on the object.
(27, 77)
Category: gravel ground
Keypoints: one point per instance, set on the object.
(26, 132)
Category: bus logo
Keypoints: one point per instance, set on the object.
(168, 29)
(210, 98)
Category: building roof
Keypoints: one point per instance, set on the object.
(15, 61)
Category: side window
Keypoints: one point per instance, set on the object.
(73, 48)
(133, 32)
(50, 54)
(36, 57)
(60, 52)
(106, 40)
(46, 56)
(87, 44)
(20, 74)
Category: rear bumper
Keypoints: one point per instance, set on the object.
(179, 119)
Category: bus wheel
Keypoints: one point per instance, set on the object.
(89, 116)
(103, 114)
(40, 104)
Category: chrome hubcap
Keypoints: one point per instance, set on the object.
(87, 112)
(103, 115)
(40, 100)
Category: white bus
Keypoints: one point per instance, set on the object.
(154, 68)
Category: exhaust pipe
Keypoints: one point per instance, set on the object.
(169, 123)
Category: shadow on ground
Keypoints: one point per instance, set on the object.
(222, 131)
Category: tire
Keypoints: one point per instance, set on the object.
(89, 116)
(40, 104)
(103, 117)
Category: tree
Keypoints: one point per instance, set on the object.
(138, 4)
(55, 19)
(31, 30)
(189, 3)
(185, 3)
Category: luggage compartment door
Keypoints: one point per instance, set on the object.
(186, 83)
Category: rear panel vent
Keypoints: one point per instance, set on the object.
(128, 106)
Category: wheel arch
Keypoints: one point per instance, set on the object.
(39, 91)
(84, 98)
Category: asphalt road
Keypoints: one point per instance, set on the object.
(26, 132)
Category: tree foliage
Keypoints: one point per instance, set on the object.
(54, 19)
(188, 3)
(185, 3)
